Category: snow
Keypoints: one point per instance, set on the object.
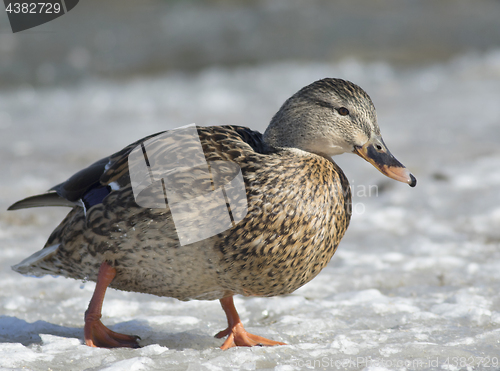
(415, 283)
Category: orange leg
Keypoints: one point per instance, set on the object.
(237, 335)
(96, 334)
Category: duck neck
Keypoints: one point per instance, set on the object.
(274, 137)
(290, 137)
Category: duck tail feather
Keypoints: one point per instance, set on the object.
(45, 199)
(34, 265)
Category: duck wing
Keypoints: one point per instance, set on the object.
(83, 187)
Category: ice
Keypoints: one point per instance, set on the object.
(132, 364)
(16, 355)
(415, 283)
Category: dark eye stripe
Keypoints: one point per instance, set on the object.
(324, 104)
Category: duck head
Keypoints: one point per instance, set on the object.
(331, 117)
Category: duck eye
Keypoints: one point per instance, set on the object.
(343, 111)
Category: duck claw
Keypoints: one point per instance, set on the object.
(238, 336)
(98, 335)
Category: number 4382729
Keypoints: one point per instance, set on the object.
(33, 8)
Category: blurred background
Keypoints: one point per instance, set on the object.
(418, 272)
(124, 38)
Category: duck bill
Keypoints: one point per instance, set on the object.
(377, 154)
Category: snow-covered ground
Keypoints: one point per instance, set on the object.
(415, 283)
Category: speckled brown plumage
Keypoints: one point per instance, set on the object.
(298, 199)
(279, 246)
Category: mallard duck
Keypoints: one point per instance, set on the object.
(296, 208)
